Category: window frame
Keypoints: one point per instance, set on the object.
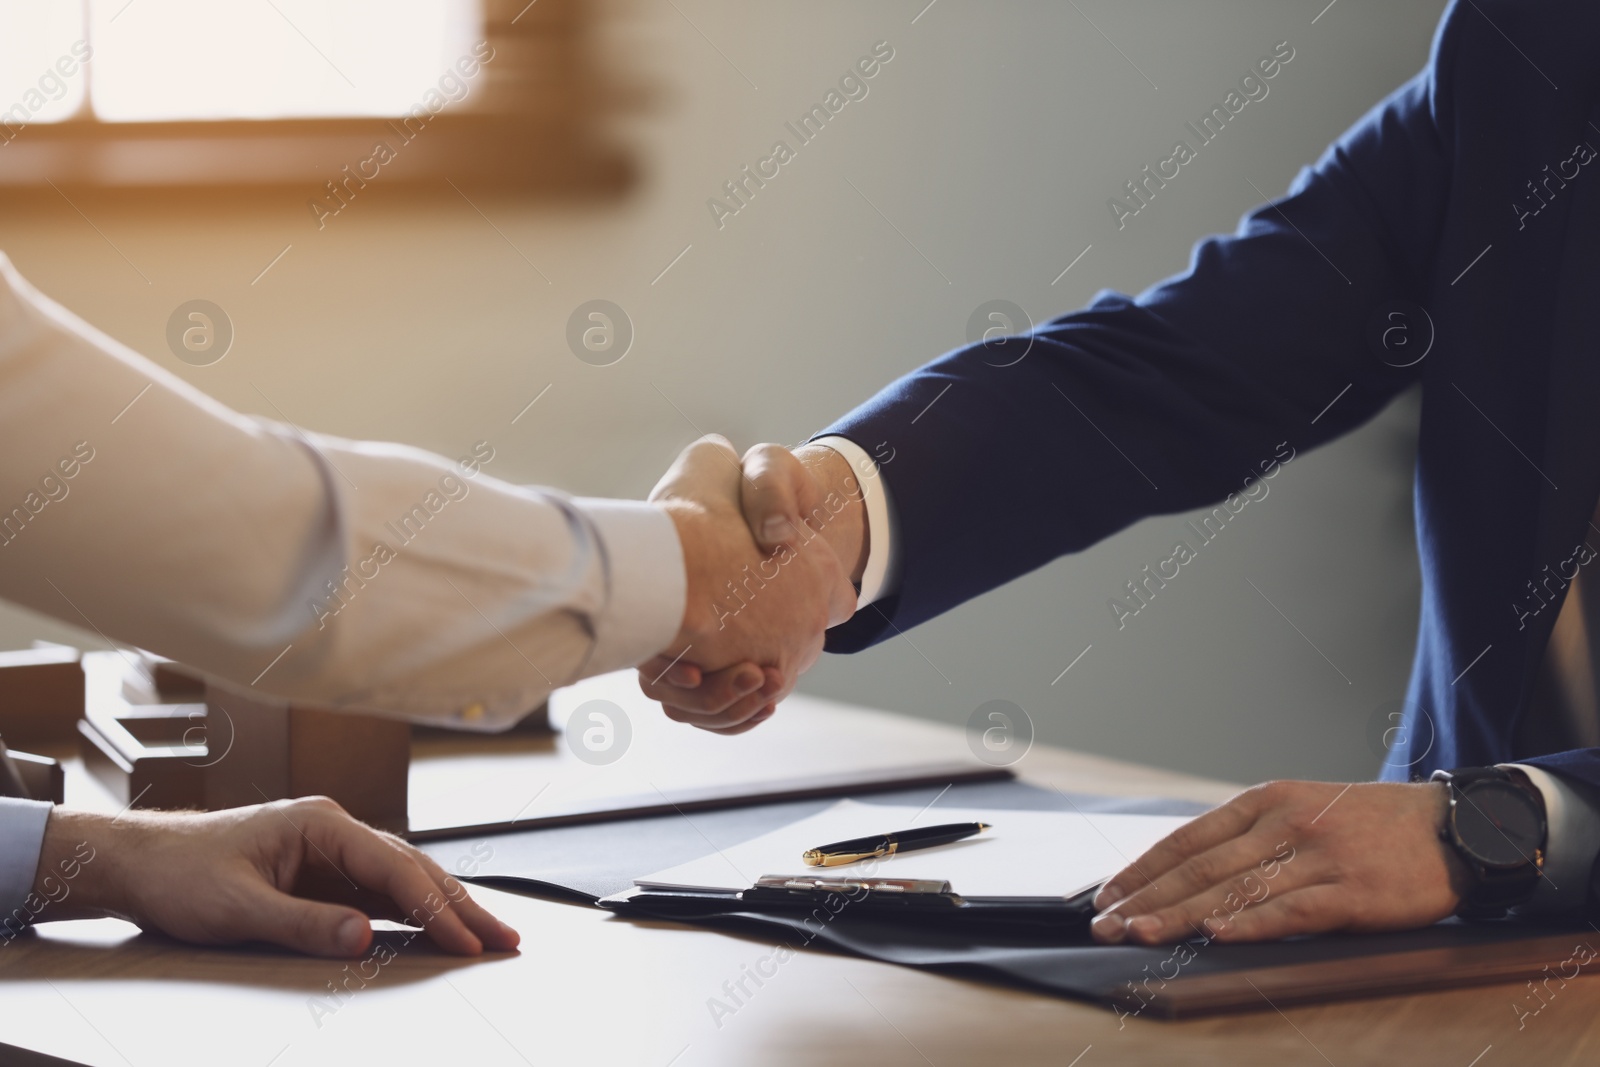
(508, 135)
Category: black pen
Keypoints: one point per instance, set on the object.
(866, 848)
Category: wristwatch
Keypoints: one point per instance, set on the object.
(1496, 824)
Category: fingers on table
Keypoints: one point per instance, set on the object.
(1312, 909)
(378, 861)
(1217, 894)
(1192, 838)
(1219, 866)
(494, 934)
(310, 926)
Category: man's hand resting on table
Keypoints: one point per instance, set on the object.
(756, 612)
(1289, 858)
(298, 873)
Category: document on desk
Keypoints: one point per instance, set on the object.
(1024, 854)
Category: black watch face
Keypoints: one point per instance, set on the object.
(1499, 824)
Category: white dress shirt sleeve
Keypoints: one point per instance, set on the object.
(373, 577)
(1572, 840)
(22, 825)
(881, 576)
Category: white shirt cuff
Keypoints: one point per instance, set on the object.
(646, 584)
(1572, 819)
(881, 577)
(22, 824)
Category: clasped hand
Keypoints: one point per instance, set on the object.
(769, 555)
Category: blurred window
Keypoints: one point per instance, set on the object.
(164, 93)
(184, 60)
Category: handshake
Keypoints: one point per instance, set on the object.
(773, 546)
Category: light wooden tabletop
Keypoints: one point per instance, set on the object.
(591, 989)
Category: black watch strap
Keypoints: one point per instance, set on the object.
(1491, 889)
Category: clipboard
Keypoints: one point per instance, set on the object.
(1057, 958)
(905, 902)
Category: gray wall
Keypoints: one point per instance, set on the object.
(991, 141)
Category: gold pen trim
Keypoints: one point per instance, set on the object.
(817, 858)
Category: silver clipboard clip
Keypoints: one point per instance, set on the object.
(810, 883)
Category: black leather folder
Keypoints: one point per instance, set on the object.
(890, 902)
(1041, 945)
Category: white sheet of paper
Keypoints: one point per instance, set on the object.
(1025, 853)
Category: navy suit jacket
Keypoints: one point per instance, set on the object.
(1468, 203)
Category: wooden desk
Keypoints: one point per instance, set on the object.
(590, 989)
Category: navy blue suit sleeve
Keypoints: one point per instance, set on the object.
(1167, 401)
(1579, 764)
